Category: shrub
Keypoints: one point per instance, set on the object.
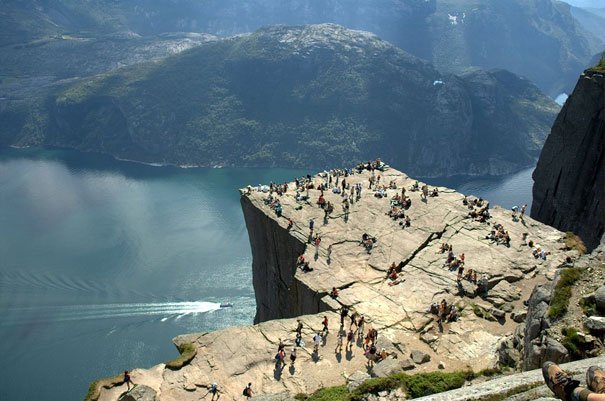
(562, 293)
(338, 393)
(572, 241)
(188, 352)
(94, 390)
(573, 342)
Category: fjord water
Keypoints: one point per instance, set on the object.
(103, 262)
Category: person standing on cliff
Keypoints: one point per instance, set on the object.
(325, 324)
(248, 391)
(311, 225)
(316, 342)
(127, 380)
(344, 311)
(214, 391)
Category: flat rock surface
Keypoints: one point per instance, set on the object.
(238, 355)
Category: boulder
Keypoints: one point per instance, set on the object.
(599, 298)
(595, 323)
(518, 316)
(549, 350)
(386, 368)
(407, 364)
(429, 338)
(420, 357)
(503, 292)
(356, 379)
(497, 313)
(140, 392)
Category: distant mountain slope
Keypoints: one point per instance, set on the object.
(296, 96)
(593, 20)
(539, 39)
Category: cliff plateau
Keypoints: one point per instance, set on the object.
(569, 180)
(397, 309)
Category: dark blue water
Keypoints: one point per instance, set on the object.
(103, 262)
(506, 191)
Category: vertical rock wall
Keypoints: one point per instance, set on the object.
(274, 251)
(569, 180)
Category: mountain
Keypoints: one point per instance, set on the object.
(592, 19)
(569, 180)
(308, 96)
(538, 39)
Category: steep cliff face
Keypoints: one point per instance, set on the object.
(569, 180)
(274, 253)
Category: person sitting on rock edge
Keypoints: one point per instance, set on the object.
(566, 388)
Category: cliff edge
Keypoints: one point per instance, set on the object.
(569, 180)
(398, 308)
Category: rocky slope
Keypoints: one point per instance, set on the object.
(238, 355)
(295, 96)
(538, 39)
(569, 180)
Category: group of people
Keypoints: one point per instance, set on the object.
(478, 209)
(303, 265)
(445, 311)
(499, 235)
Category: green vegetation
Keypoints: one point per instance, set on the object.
(589, 307)
(572, 241)
(573, 343)
(94, 390)
(416, 385)
(258, 100)
(600, 66)
(482, 313)
(188, 352)
(562, 293)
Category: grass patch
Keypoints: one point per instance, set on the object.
(600, 66)
(589, 307)
(94, 390)
(417, 385)
(188, 352)
(338, 393)
(562, 293)
(573, 342)
(572, 241)
(482, 313)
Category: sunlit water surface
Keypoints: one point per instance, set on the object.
(103, 262)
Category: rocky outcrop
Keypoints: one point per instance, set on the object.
(569, 180)
(397, 309)
(274, 253)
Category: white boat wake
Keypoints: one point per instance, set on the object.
(33, 315)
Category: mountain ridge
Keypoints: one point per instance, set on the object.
(331, 93)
